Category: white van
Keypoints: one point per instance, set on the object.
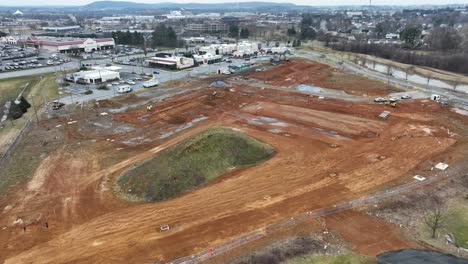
(124, 89)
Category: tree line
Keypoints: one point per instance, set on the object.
(162, 36)
(449, 61)
(234, 31)
(128, 38)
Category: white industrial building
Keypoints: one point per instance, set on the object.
(207, 58)
(9, 40)
(62, 29)
(95, 76)
(69, 45)
(171, 62)
(239, 50)
(119, 19)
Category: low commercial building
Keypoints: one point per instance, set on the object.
(69, 45)
(392, 36)
(171, 62)
(95, 76)
(207, 58)
(239, 50)
(9, 40)
(207, 27)
(62, 29)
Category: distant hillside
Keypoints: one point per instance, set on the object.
(133, 5)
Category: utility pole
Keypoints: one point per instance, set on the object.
(145, 39)
(44, 97)
(34, 107)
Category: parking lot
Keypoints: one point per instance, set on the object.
(9, 52)
(16, 58)
(134, 76)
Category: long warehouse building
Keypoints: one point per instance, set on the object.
(68, 45)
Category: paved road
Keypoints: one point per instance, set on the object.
(36, 71)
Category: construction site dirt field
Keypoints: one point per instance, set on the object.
(327, 152)
(298, 72)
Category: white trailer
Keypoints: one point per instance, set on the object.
(151, 83)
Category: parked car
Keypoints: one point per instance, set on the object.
(406, 96)
(57, 105)
(380, 100)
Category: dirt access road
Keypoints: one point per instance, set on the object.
(328, 151)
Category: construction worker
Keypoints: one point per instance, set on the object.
(149, 107)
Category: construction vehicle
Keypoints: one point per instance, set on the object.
(277, 59)
(392, 104)
(56, 105)
(212, 95)
(282, 57)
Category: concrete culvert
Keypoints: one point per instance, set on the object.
(308, 88)
(219, 84)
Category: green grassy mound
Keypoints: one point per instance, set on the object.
(191, 163)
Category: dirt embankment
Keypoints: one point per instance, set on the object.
(298, 72)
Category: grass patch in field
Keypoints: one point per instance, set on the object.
(11, 88)
(457, 223)
(350, 258)
(26, 156)
(37, 92)
(191, 163)
(45, 88)
(103, 87)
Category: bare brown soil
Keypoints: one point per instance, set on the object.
(369, 235)
(328, 151)
(298, 72)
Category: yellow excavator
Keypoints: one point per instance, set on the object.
(392, 104)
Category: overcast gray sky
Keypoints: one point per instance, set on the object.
(302, 2)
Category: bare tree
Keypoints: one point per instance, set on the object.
(429, 77)
(408, 71)
(444, 38)
(455, 83)
(389, 70)
(434, 220)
